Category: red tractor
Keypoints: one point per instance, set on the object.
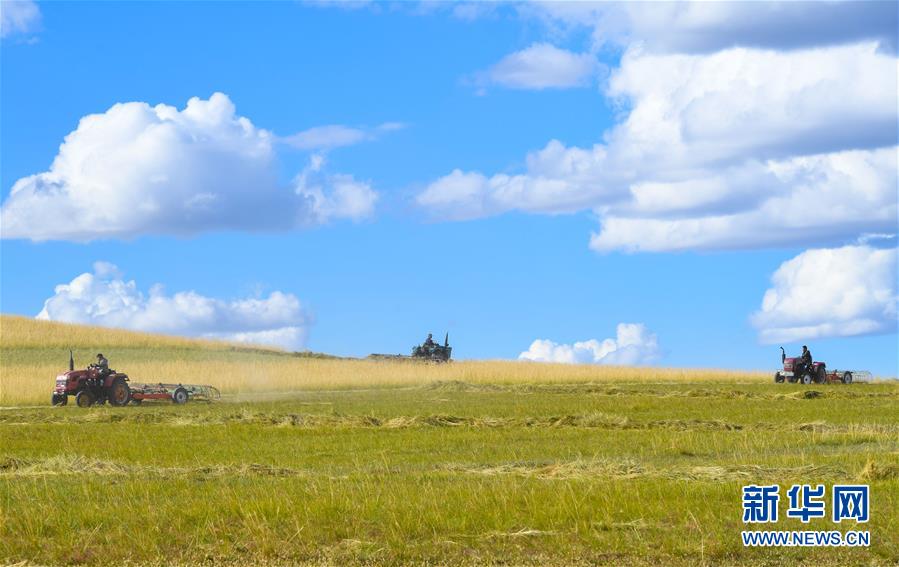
(93, 385)
(794, 370)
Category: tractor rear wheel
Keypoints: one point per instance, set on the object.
(84, 399)
(119, 393)
(179, 396)
(847, 377)
(821, 378)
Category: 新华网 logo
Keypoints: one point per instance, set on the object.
(805, 502)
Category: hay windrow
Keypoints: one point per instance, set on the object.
(632, 469)
(77, 464)
(577, 469)
(596, 420)
(668, 391)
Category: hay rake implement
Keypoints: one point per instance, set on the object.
(178, 393)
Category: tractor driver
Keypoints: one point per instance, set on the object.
(102, 363)
(806, 358)
(429, 342)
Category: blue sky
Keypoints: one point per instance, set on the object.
(648, 232)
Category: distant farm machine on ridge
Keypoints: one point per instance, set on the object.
(96, 385)
(428, 351)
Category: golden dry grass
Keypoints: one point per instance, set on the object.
(28, 379)
(24, 332)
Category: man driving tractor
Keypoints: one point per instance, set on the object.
(806, 359)
(102, 366)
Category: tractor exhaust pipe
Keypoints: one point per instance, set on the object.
(71, 361)
(446, 340)
(783, 355)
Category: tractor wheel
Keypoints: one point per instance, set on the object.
(180, 396)
(821, 378)
(84, 399)
(806, 378)
(119, 393)
(778, 378)
(60, 399)
(847, 377)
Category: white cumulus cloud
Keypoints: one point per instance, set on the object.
(104, 298)
(139, 169)
(718, 151)
(18, 17)
(836, 292)
(543, 66)
(633, 345)
(818, 199)
(558, 179)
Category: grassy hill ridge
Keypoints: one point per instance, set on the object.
(29, 341)
(18, 332)
(33, 352)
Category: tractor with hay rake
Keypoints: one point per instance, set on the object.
(795, 370)
(97, 385)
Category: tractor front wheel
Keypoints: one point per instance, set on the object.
(60, 399)
(847, 378)
(179, 396)
(806, 378)
(119, 393)
(84, 399)
(778, 378)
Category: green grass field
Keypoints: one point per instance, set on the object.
(605, 470)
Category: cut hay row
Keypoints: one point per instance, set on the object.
(594, 420)
(77, 464)
(580, 468)
(620, 389)
(632, 469)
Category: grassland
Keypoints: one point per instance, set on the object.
(349, 462)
